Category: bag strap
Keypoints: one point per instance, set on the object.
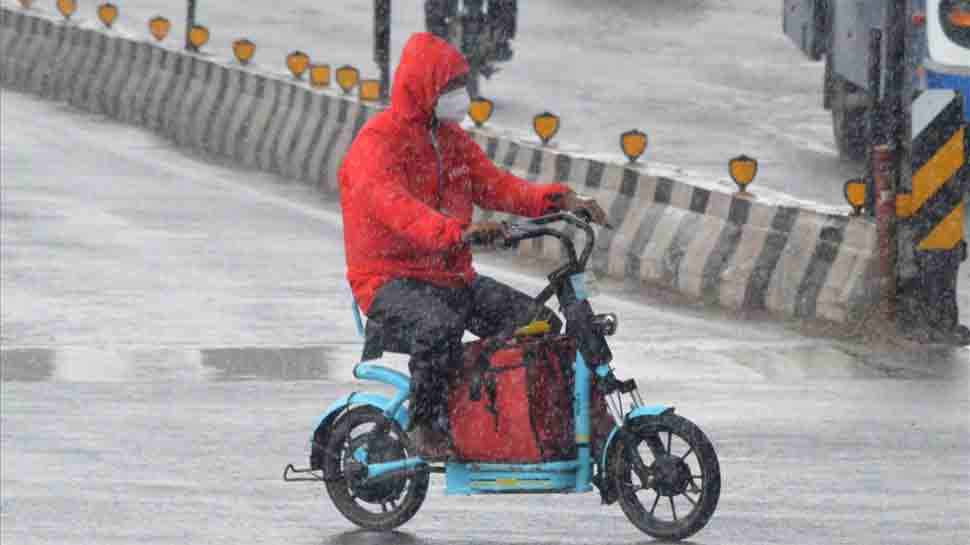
(482, 366)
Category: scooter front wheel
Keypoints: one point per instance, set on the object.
(667, 476)
(383, 505)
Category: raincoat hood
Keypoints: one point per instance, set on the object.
(408, 189)
(427, 65)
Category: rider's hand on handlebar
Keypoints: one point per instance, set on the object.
(485, 232)
(574, 202)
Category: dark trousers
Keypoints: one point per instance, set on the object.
(427, 322)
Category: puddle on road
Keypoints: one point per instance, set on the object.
(26, 364)
(309, 363)
(142, 364)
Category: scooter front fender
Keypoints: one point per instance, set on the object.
(318, 440)
(614, 442)
(648, 410)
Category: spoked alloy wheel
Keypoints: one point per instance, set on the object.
(667, 476)
(381, 505)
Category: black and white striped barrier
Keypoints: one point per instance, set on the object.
(719, 247)
(712, 245)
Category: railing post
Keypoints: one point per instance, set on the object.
(382, 44)
(189, 24)
(883, 158)
(874, 117)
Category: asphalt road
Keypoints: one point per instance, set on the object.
(172, 329)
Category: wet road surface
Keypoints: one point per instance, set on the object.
(172, 331)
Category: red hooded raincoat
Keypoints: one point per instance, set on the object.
(407, 190)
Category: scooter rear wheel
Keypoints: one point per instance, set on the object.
(667, 476)
(383, 505)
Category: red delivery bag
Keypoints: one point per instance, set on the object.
(512, 401)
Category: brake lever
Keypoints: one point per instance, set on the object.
(584, 215)
(515, 233)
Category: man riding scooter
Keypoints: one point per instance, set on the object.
(408, 186)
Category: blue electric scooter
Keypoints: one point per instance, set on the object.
(659, 466)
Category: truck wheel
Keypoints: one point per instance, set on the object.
(848, 122)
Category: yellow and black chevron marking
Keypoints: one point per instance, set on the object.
(934, 209)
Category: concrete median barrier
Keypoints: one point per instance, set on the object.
(137, 77)
(700, 240)
(351, 116)
(93, 95)
(711, 245)
(177, 95)
(314, 116)
(214, 111)
(270, 156)
(146, 83)
(120, 74)
(274, 104)
(200, 119)
(321, 144)
(254, 129)
(66, 47)
(163, 91)
(241, 115)
(11, 32)
(38, 67)
(91, 55)
(216, 138)
(200, 76)
(286, 146)
(151, 92)
(22, 53)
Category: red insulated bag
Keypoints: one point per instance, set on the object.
(513, 402)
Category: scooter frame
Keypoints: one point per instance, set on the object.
(470, 477)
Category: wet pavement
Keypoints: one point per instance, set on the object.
(880, 461)
(172, 331)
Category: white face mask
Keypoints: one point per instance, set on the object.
(452, 106)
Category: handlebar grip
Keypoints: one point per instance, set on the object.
(475, 239)
(486, 238)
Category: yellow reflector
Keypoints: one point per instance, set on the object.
(199, 36)
(633, 143)
(370, 89)
(107, 12)
(743, 169)
(537, 327)
(297, 62)
(320, 75)
(159, 27)
(481, 110)
(66, 7)
(546, 126)
(959, 17)
(855, 194)
(244, 50)
(347, 77)
(904, 205)
(26, 3)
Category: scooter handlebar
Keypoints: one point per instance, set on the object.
(536, 227)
